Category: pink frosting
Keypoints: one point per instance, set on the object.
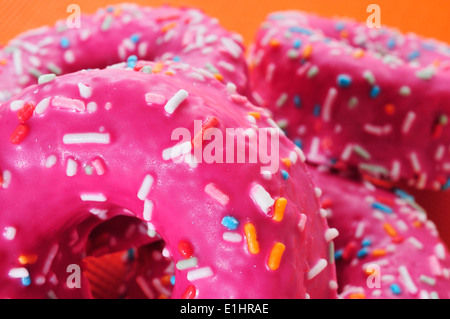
(115, 33)
(373, 100)
(88, 146)
(384, 232)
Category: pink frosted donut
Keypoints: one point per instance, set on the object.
(118, 32)
(385, 247)
(373, 100)
(145, 143)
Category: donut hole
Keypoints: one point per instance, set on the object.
(123, 262)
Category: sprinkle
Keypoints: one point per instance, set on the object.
(282, 100)
(302, 223)
(361, 152)
(19, 134)
(86, 138)
(405, 90)
(27, 259)
(252, 242)
(408, 122)
(317, 269)
(148, 210)
(175, 101)
(395, 289)
(262, 198)
(187, 263)
(307, 51)
(54, 68)
(358, 53)
(369, 77)
(189, 293)
(375, 91)
(42, 106)
(284, 174)
(230, 222)
(428, 280)
(69, 57)
(312, 72)
(297, 101)
(72, 167)
(232, 237)
(16, 105)
(199, 273)
(275, 256)
(45, 78)
(379, 252)
(9, 233)
(328, 104)
(389, 229)
(331, 234)
(61, 102)
(177, 150)
(106, 24)
(185, 249)
(64, 43)
(155, 99)
(25, 113)
(292, 54)
(146, 185)
(131, 61)
(232, 47)
(415, 162)
(215, 193)
(362, 252)
(26, 281)
(357, 295)
(280, 206)
(407, 279)
(382, 207)
(98, 166)
(426, 73)
(353, 102)
(439, 250)
(344, 80)
(316, 110)
(21, 272)
(85, 91)
(93, 197)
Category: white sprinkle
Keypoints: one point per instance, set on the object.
(323, 213)
(404, 273)
(331, 234)
(175, 101)
(72, 167)
(216, 194)
(69, 57)
(16, 105)
(318, 192)
(232, 47)
(6, 175)
(17, 61)
(9, 233)
(317, 269)
(42, 106)
(439, 250)
(187, 263)
(347, 152)
(360, 229)
(50, 161)
(302, 222)
(440, 152)
(21, 272)
(146, 185)
(232, 237)
(148, 210)
(261, 198)
(282, 100)
(86, 138)
(85, 91)
(93, 197)
(378, 130)
(45, 78)
(199, 273)
(395, 171)
(91, 107)
(408, 122)
(415, 162)
(328, 104)
(176, 151)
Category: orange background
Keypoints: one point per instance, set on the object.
(429, 18)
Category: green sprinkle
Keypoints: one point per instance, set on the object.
(425, 74)
(282, 100)
(369, 77)
(211, 68)
(361, 152)
(147, 69)
(405, 90)
(331, 253)
(443, 119)
(54, 68)
(35, 72)
(292, 54)
(88, 169)
(107, 23)
(312, 72)
(374, 168)
(353, 102)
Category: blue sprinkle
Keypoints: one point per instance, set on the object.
(340, 26)
(26, 281)
(110, 9)
(382, 207)
(446, 185)
(297, 44)
(375, 91)
(131, 61)
(230, 222)
(298, 142)
(395, 289)
(362, 252)
(285, 174)
(135, 38)
(172, 280)
(176, 58)
(316, 110)
(338, 254)
(403, 195)
(366, 242)
(428, 46)
(300, 30)
(413, 55)
(344, 80)
(297, 101)
(130, 254)
(391, 43)
(65, 43)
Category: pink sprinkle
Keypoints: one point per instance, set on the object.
(155, 99)
(61, 102)
(98, 166)
(435, 265)
(302, 223)
(217, 194)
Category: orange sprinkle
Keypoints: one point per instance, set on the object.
(390, 230)
(168, 73)
(274, 43)
(157, 67)
(218, 76)
(307, 51)
(163, 296)
(286, 161)
(169, 26)
(252, 242)
(417, 223)
(389, 109)
(3, 62)
(165, 280)
(359, 53)
(370, 271)
(27, 259)
(357, 296)
(256, 115)
(379, 252)
(436, 63)
(280, 206)
(344, 34)
(275, 256)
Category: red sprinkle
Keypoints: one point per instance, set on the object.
(349, 250)
(25, 113)
(19, 134)
(189, 293)
(185, 249)
(210, 122)
(327, 203)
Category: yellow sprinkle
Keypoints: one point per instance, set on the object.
(27, 259)
(286, 161)
(390, 230)
(252, 242)
(358, 53)
(379, 252)
(275, 256)
(256, 115)
(307, 51)
(280, 206)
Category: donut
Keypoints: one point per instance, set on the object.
(119, 33)
(386, 247)
(373, 101)
(145, 142)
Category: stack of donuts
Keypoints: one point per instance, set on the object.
(103, 128)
